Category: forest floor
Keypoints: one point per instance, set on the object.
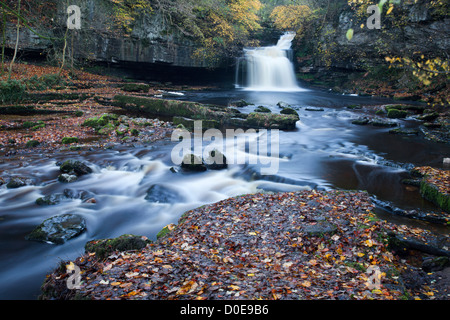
(307, 245)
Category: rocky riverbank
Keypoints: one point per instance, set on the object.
(303, 245)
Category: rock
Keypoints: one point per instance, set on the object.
(377, 122)
(361, 121)
(67, 178)
(429, 116)
(161, 194)
(319, 228)
(32, 144)
(192, 162)
(16, 182)
(75, 167)
(404, 131)
(83, 195)
(240, 103)
(283, 105)
(216, 160)
(314, 109)
(263, 109)
(58, 229)
(69, 140)
(288, 111)
(396, 114)
(136, 87)
(104, 247)
(435, 264)
(49, 200)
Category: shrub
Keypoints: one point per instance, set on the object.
(11, 91)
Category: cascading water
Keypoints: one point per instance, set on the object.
(269, 68)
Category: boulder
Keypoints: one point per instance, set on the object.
(67, 178)
(191, 162)
(161, 194)
(216, 160)
(16, 182)
(58, 229)
(75, 167)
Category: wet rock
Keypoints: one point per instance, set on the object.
(191, 162)
(263, 109)
(161, 194)
(361, 121)
(282, 105)
(16, 182)
(428, 117)
(216, 160)
(50, 200)
(435, 264)
(377, 122)
(396, 114)
(58, 229)
(288, 111)
(67, 178)
(75, 167)
(240, 103)
(314, 109)
(104, 247)
(404, 131)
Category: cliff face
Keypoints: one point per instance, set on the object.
(151, 41)
(414, 27)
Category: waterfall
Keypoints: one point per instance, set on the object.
(269, 68)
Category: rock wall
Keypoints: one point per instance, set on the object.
(151, 41)
(415, 29)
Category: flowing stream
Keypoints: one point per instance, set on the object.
(325, 151)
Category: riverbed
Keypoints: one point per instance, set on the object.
(325, 151)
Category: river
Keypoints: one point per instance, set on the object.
(325, 151)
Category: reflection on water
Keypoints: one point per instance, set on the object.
(326, 151)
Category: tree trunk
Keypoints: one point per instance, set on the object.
(17, 43)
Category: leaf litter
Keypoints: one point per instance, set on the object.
(258, 246)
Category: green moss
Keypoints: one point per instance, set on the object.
(135, 87)
(396, 114)
(432, 193)
(32, 144)
(69, 140)
(104, 247)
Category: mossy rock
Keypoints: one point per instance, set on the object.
(263, 109)
(429, 116)
(136, 87)
(396, 114)
(288, 111)
(216, 160)
(75, 167)
(16, 182)
(58, 229)
(191, 162)
(404, 131)
(432, 194)
(105, 247)
(69, 140)
(32, 144)
(240, 103)
(360, 121)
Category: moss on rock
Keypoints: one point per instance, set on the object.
(104, 247)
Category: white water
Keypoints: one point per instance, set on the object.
(270, 69)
